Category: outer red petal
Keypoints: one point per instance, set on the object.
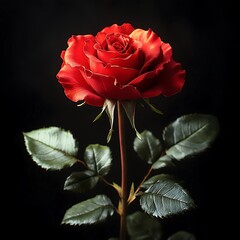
(100, 38)
(169, 81)
(167, 52)
(62, 54)
(122, 75)
(108, 87)
(144, 81)
(125, 28)
(76, 88)
(74, 54)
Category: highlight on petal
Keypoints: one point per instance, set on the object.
(76, 88)
(151, 43)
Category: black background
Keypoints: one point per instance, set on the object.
(33, 34)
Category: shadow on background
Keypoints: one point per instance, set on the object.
(34, 33)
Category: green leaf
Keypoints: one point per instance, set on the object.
(51, 148)
(182, 235)
(129, 108)
(118, 189)
(110, 105)
(148, 183)
(81, 181)
(100, 114)
(152, 106)
(98, 158)
(91, 211)
(189, 135)
(148, 148)
(163, 161)
(132, 195)
(141, 226)
(165, 197)
(81, 104)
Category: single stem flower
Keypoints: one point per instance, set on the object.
(117, 68)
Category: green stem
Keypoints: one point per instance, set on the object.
(122, 145)
(144, 179)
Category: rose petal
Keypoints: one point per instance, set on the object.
(151, 47)
(169, 81)
(125, 28)
(76, 88)
(144, 81)
(133, 60)
(151, 42)
(74, 54)
(108, 87)
(167, 52)
(120, 63)
(106, 55)
(62, 54)
(118, 42)
(159, 62)
(101, 39)
(121, 74)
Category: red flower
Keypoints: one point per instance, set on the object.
(119, 63)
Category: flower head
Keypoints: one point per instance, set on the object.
(119, 63)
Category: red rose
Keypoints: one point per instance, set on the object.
(119, 63)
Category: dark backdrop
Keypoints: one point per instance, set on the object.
(33, 34)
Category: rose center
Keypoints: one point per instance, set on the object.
(118, 43)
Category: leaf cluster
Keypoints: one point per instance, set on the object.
(160, 195)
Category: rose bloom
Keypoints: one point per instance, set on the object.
(119, 63)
